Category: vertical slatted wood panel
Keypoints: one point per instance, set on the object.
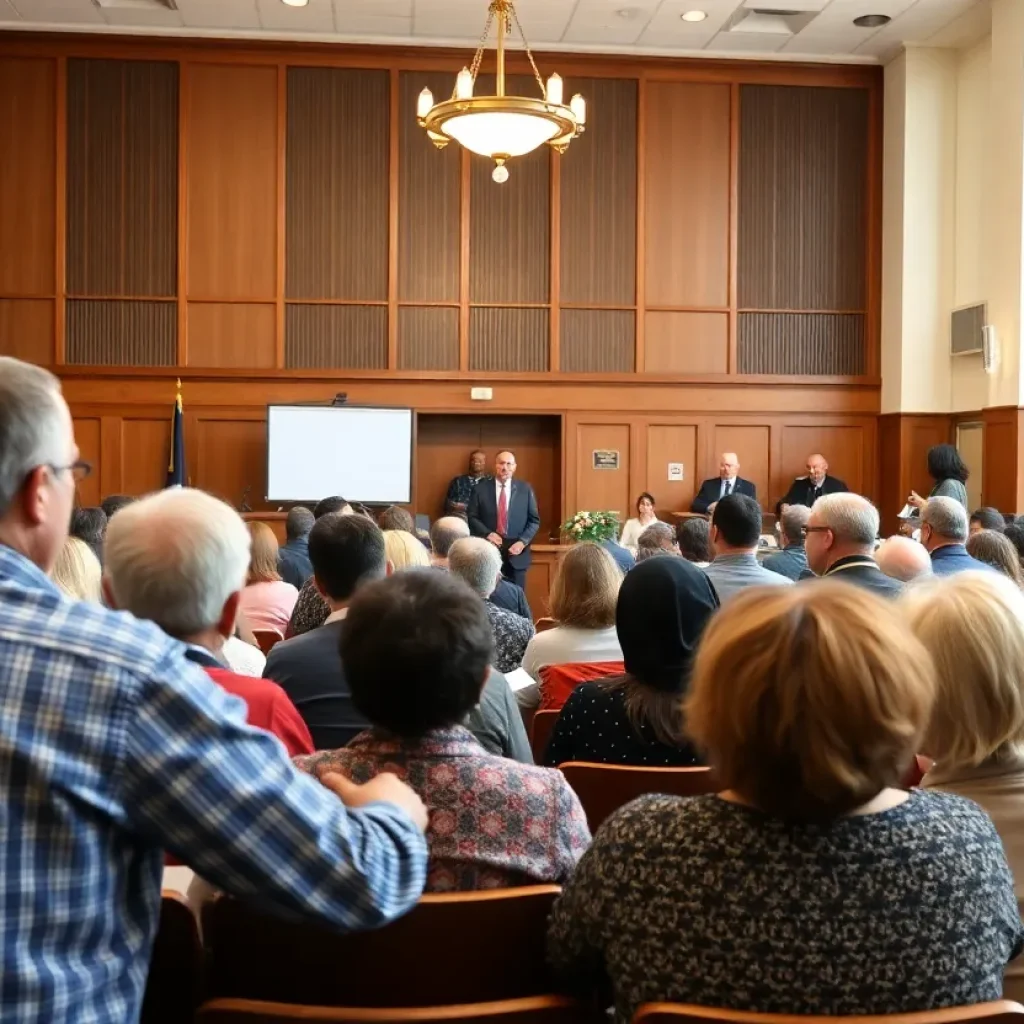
(232, 182)
(101, 333)
(28, 156)
(597, 341)
(428, 200)
(801, 343)
(122, 178)
(509, 224)
(802, 194)
(508, 339)
(686, 169)
(336, 337)
(337, 183)
(428, 338)
(598, 197)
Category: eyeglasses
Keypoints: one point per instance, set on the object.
(79, 470)
(815, 529)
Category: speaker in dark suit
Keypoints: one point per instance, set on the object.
(504, 510)
(727, 482)
(806, 490)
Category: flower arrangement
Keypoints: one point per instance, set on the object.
(593, 526)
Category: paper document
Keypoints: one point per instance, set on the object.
(519, 679)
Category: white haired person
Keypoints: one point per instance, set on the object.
(840, 542)
(903, 559)
(114, 747)
(945, 528)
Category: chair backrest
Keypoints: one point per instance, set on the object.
(266, 638)
(1002, 1012)
(532, 1010)
(174, 985)
(450, 948)
(540, 733)
(604, 788)
(558, 681)
(543, 624)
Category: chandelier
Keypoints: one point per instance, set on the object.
(500, 127)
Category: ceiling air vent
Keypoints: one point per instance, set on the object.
(769, 21)
(966, 330)
(137, 5)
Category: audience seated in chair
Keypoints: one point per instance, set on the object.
(477, 562)
(693, 537)
(583, 598)
(986, 518)
(994, 548)
(267, 601)
(293, 559)
(90, 525)
(311, 610)
(404, 550)
(903, 559)
(664, 605)
(657, 539)
(973, 627)
(811, 885)
(735, 535)
(77, 571)
(416, 652)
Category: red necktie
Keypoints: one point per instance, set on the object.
(502, 513)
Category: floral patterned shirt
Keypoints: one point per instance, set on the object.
(494, 822)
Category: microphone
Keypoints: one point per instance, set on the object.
(246, 507)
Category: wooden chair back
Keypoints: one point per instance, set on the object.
(544, 623)
(450, 948)
(267, 638)
(540, 733)
(532, 1010)
(604, 788)
(174, 985)
(558, 681)
(1002, 1012)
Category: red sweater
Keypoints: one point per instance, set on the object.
(269, 708)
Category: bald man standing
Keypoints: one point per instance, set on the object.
(806, 490)
(727, 482)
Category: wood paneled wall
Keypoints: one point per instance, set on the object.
(715, 220)
(269, 224)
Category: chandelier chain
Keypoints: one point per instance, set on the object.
(474, 68)
(529, 53)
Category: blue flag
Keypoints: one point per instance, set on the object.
(176, 463)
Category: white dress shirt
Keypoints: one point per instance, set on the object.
(732, 484)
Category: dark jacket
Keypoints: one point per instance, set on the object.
(803, 492)
(789, 562)
(953, 558)
(511, 598)
(711, 491)
(293, 562)
(861, 571)
(523, 518)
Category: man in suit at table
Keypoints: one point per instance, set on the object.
(504, 511)
(806, 490)
(727, 482)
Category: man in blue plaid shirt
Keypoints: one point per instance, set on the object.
(114, 748)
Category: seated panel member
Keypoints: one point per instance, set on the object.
(806, 490)
(727, 482)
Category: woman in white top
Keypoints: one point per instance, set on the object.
(634, 527)
(973, 626)
(583, 599)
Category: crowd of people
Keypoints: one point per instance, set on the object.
(379, 751)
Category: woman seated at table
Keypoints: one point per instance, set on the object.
(634, 527)
(813, 884)
(636, 718)
(416, 651)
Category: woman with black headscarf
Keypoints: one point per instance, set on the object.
(637, 719)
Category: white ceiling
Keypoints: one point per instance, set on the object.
(651, 27)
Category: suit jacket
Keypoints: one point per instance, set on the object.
(861, 571)
(523, 517)
(953, 558)
(803, 492)
(293, 562)
(711, 490)
(789, 562)
(512, 598)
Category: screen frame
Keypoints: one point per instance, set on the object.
(348, 405)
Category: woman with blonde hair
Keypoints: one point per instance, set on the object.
(583, 599)
(267, 602)
(812, 876)
(973, 626)
(994, 548)
(405, 551)
(77, 571)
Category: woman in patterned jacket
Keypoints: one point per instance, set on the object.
(811, 884)
(416, 649)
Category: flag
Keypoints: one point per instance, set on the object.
(176, 463)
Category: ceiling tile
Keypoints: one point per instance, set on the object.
(131, 17)
(354, 23)
(601, 22)
(916, 25)
(7, 12)
(746, 42)
(225, 14)
(316, 16)
(385, 8)
(58, 12)
(789, 6)
(668, 17)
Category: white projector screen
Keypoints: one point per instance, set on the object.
(364, 454)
